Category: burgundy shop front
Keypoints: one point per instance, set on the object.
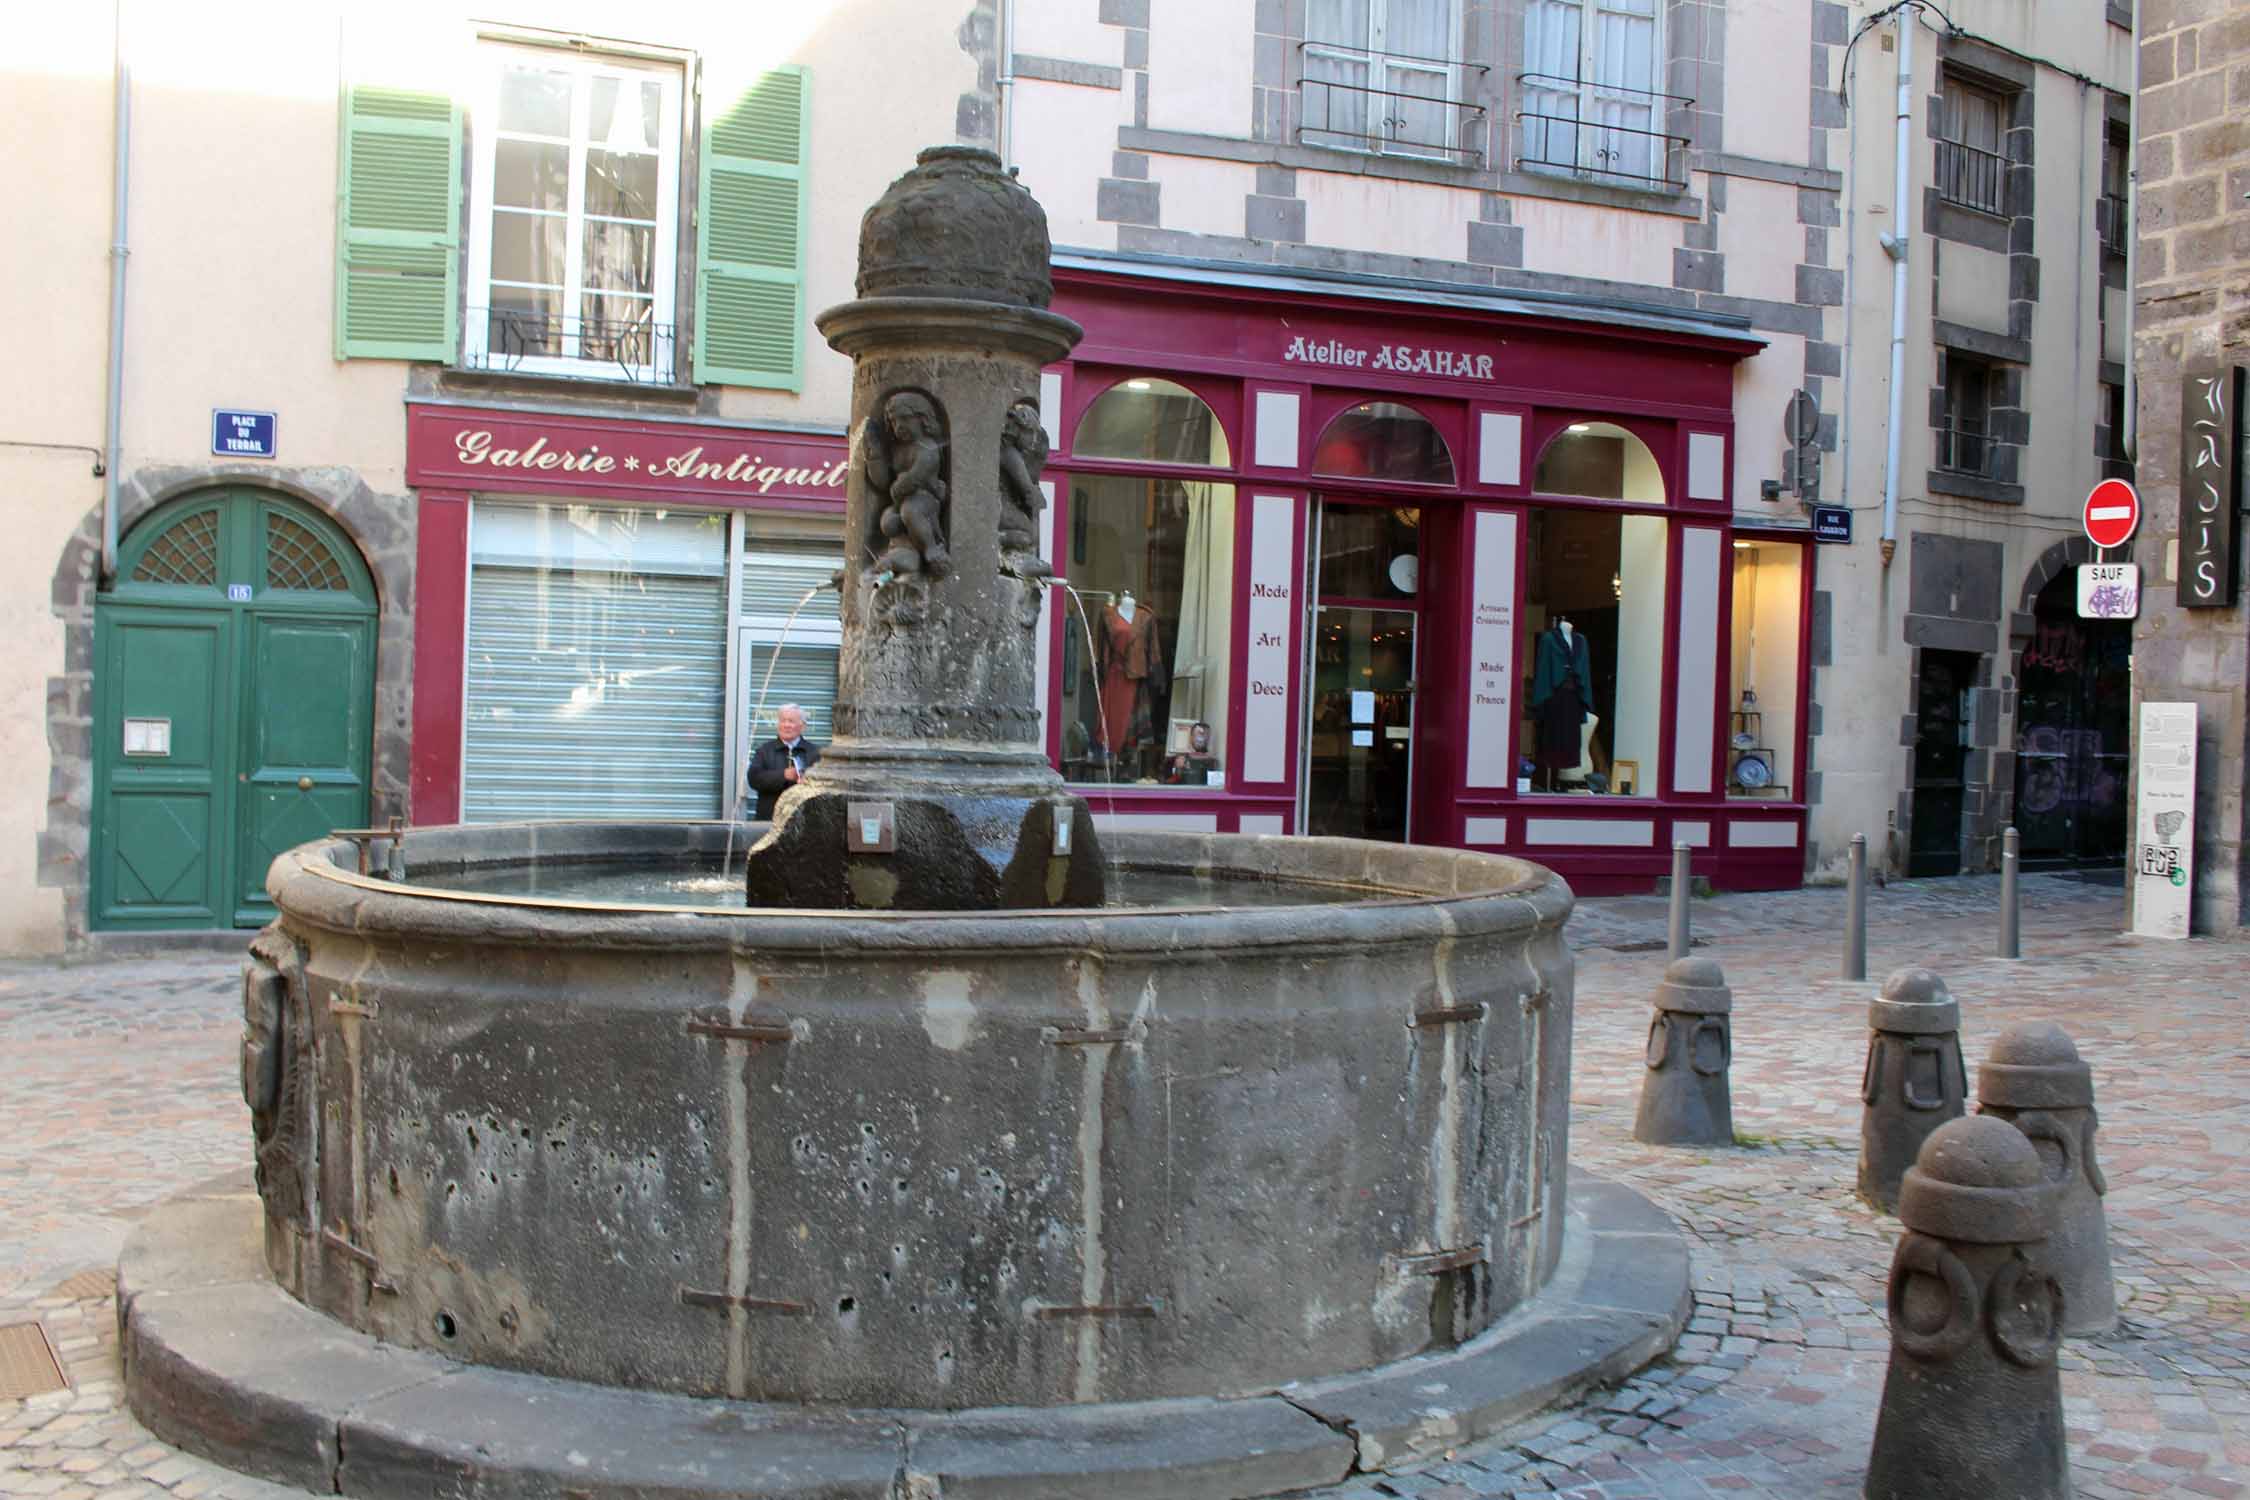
(1349, 527)
(598, 603)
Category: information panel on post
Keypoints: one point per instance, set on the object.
(2163, 869)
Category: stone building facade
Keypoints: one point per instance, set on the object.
(2193, 320)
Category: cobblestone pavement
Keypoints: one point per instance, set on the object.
(117, 1087)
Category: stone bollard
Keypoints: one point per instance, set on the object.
(1915, 1079)
(1690, 1043)
(2033, 1079)
(1972, 1402)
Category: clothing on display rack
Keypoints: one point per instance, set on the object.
(1561, 692)
(1132, 673)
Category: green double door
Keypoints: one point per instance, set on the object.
(233, 707)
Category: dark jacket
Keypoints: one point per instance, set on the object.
(768, 770)
(1558, 662)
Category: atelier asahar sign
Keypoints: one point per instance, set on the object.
(1402, 359)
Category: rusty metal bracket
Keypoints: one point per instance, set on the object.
(1100, 1310)
(691, 1297)
(1445, 1015)
(1084, 1036)
(363, 1258)
(1530, 1218)
(1537, 999)
(727, 1031)
(1436, 1262)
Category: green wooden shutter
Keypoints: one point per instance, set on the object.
(398, 240)
(750, 239)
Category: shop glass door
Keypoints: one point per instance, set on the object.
(1359, 732)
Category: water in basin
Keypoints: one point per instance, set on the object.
(667, 885)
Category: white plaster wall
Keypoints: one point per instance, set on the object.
(1058, 128)
(56, 75)
(1762, 388)
(1576, 239)
(1068, 29)
(1972, 287)
(1767, 118)
(1199, 67)
(1385, 217)
(1759, 236)
(1202, 196)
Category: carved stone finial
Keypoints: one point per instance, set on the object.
(957, 225)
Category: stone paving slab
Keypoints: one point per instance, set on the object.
(117, 1089)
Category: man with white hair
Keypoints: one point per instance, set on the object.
(782, 761)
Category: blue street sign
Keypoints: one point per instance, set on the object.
(1831, 523)
(242, 434)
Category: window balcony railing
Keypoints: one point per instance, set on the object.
(1965, 450)
(1971, 176)
(1354, 117)
(2110, 223)
(1565, 131)
(636, 350)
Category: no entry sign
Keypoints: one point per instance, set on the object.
(2112, 511)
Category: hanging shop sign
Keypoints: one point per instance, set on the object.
(475, 449)
(2109, 591)
(2164, 830)
(242, 434)
(2210, 459)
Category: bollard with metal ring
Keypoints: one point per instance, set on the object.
(1684, 1099)
(1677, 940)
(1914, 1082)
(2011, 931)
(1972, 1401)
(2034, 1079)
(1855, 912)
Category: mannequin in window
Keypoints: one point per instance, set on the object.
(1131, 670)
(1561, 688)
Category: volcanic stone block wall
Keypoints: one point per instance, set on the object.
(2193, 315)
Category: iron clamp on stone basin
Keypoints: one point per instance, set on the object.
(936, 1160)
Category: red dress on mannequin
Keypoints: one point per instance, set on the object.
(1120, 683)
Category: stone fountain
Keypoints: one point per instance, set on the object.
(926, 1175)
(936, 794)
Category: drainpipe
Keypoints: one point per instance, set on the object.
(1895, 245)
(1004, 78)
(2131, 436)
(119, 167)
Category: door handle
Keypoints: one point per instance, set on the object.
(304, 783)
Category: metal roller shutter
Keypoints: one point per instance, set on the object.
(594, 694)
(776, 576)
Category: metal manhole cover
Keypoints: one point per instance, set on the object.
(95, 1283)
(27, 1363)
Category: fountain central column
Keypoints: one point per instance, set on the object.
(936, 793)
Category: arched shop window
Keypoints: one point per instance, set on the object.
(1597, 688)
(1148, 626)
(1152, 421)
(1383, 440)
(1600, 461)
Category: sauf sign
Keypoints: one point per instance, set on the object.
(2210, 459)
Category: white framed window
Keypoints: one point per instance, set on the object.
(789, 638)
(1385, 76)
(1591, 101)
(574, 214)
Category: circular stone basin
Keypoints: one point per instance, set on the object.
(932, 1160)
